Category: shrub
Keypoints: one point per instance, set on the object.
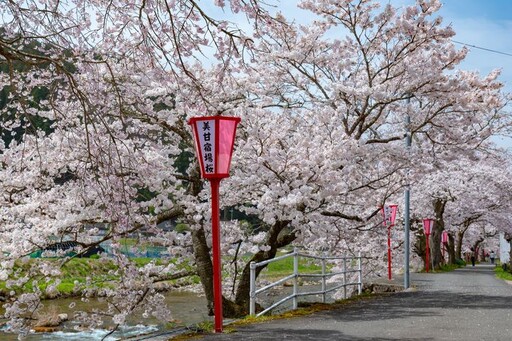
(460, 262)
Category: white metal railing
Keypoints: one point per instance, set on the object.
(295, 276)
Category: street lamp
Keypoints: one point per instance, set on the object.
(407, 201)
(389, 215)
(428, 224)
(214, 137)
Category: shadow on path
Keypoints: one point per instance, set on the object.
(303, 335)
(467, 304)
(407, 304)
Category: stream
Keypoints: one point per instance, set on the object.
(187, 309)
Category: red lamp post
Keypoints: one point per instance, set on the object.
(214, 138)
(427, 228)
(444, 240)
(389, 216)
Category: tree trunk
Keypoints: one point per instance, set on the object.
(240, 306)
(275, 239)
(510, 256)
(420, 246)
(476, 247)
(204, 265)
(460, 238)
(452, 259)
(435, 245)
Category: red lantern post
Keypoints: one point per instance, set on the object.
(214, 138)
(428, 224)
(444, 240)
(389, 215)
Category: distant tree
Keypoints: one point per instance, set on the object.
(468, 198)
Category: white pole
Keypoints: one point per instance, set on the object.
(252, 289)
(407, 198)
(345, 276)
(360, 280)
(296, 274)
(323, 277)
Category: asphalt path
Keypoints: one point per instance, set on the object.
(466, 304)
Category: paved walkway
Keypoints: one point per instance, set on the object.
(466, 304)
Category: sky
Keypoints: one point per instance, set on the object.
(486, 24)
(482, 25)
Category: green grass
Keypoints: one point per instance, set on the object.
(449, 267)
(502, 274)
(129, 242)
(76, 270)
(284, 268)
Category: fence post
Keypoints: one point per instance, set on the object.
(252, 289)
(323, 277)
(360, 272)
(345, 276)
(296, 276)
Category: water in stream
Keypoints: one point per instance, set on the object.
(187, 308)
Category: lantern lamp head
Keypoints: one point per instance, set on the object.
(428, 224)
(389, 214)
(444, 237)
(214, 138)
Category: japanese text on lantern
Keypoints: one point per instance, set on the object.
(206, 134)
(387, 215)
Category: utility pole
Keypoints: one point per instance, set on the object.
(407, 194)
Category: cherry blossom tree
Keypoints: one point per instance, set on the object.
(122, 77)
(468, 198)
(350, 97)
(320, 148)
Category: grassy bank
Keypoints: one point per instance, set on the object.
(98, 273)
(103, 273)
(502, 274)
(284, 267)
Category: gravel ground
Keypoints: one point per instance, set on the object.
(466, 304)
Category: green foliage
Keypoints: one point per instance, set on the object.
(251, 223)
(144, 194)
(76, 271)
(30, 124)
(183, 160)
(66, 288)
(129, 242)
(181, 228)
(502, 273)
(205, 326)
(140, 262)
(460, 262)
(450, 267)
(284, 267)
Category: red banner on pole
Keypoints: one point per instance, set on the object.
(428, 224)
(389, 216)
